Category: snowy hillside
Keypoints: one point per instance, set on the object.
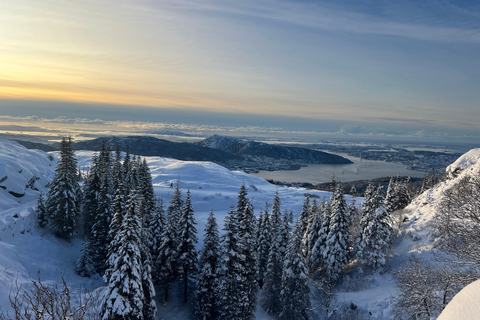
(26, 250)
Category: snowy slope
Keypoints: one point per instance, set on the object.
(25, 250)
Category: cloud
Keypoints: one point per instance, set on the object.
(415, 22)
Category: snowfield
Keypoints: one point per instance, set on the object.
(26, 251)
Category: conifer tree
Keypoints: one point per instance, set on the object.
(338, 240)
(294, 295)
(166, 263)
(391, 198)
(90, 196)
(273, 275)
(41, 212)
(97, 244)
(248, 262)
(315, 240)
(187, 241)
(119, 207)
(313, 233)
(206, 303)
(117, 168)
(146, 186)
(375, 239)
(63, 198)
(230, 270)
(156, 225)
(305, 217)
(124, 297)
(263, 247)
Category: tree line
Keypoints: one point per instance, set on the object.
(141, 248)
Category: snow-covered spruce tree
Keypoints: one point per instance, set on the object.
(376, 239)
(391, 198)
(263, 247)
(369, 206)
(97, 242)
(242, 200)
(91, 188)
(41, 212)
(187, 237)
(119, 207)
(64, 195)
(249, 287)
(146, 186)
(132, 178)
(326, 211)
(124, 297)
(117, 168)
(156, 225)
(403, 190)
(338, 239)
(126, 167)
(314, 247)
(175, 205)
(273, 275)
(206, 303)
(166, 263)
(230, 271)
(149, 305)
(304, 218)
(295, 291)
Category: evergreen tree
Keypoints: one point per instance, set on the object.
(230, 270)
(263, 247)
(175, 205)
(375, 239)
(117, 168)
(316, 241)
(187, 240)
(149, 305)
(338, 243)
(391, 199)
(166, 264)
(369, 206)
(156, 226)
(304, 218)
(64, 195)
(97, 244)
(206, 303)
(248, 262)
(146, 186)
(124, 297)
(273, 275)
(314, 255)
(119, 206)
(41, 212)
(326, 213)
(90, 196)
(294, 295)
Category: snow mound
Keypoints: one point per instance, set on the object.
(464, 305)
(23, 173)
(470, 161)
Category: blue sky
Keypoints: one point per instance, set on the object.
(389, 67)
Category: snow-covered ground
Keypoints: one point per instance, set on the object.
(26, 250)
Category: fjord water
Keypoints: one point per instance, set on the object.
(360, 169)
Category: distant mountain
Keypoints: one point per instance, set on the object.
(242, 147)
(38, 145)
(150, 146)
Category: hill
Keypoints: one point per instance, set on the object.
(26, 251)
(259, 149)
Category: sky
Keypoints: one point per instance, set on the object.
(395, 68)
